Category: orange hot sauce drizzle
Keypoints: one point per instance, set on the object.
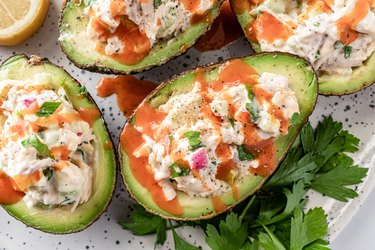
(8, 192)
(346, 24)
(224, 30)
(89, 115)
(131, 139)
(130, 91)
(136, 44)
(269, 28)
(218, 204)
(316, 5)
(240, 7)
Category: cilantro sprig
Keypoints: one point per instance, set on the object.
(48, 108)
(43, 150)
(194, 139)
(274, 218)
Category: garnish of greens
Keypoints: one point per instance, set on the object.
(274, 218)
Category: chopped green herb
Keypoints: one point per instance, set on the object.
(250, 93)
(43, 150)
(82, 90)
(231, 121)
(317, 55)
(157, 3)
(48, 173)
(347, 51)
(18, 113)
(317, 24)
(253, 110)
(243, 154)
(179, 171)
(48, 109)
(132, 120)
(194, 139)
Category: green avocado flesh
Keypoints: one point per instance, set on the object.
(329, 84)
(81, 50)
(61, 220)
(302, 80)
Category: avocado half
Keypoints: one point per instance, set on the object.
(329, 84)
(61, 220)
(302, 80)
(78, 47)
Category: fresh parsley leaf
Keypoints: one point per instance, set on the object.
(295, 119)
(48, 108)
(179, 171)
(293, 200)
(157, 3)
(347, 51)
(333, 182)
(180, 244)
(269, 241)
(48, 173)
(194, 139)
(295, 167)
(243, 154)
(317, 245)
(43, 150)
(338, 44)
(83, 90)
(144, 223)
(253, 110)
(306, 229)
(254, 245)
(233, 233)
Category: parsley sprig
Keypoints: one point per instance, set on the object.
(274, 218)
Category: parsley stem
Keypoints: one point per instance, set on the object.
(247, 207)
(172, 227)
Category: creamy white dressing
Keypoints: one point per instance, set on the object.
(316, 37)
(70, 185)
(184, 113)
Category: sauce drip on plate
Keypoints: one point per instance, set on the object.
(130, 91)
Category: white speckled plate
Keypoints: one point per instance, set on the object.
(356, 111)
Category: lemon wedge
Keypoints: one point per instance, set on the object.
(19, 19)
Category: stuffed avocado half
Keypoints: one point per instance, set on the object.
(208, 138)
(337, 37)
(122, 36)
(57, 162)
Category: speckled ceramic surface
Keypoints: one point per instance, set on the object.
(356, 111)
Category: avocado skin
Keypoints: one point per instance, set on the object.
(105, 65)
(57, 220)
(177, 84)
(362, 77)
